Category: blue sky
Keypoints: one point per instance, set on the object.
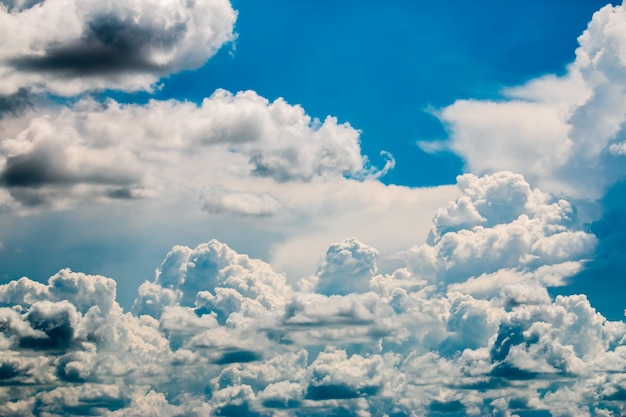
(312, 208)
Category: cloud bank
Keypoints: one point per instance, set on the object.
(220, 333)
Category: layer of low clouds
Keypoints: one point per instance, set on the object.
(71, 47)
(218, 332)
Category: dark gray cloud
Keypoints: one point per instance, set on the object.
(240, 356)
(56, 324)
(46, 166)
(121, 193)
(447, 408)
(88, 45)
(14, 104)
(109, 45)
(8, 370)
(45, 174)
(337, 392)
(34, 169)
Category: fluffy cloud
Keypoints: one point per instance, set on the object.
(218, 332)
(565, 134)
(94, 151)
(347, 267)
(228, 160)
(68, 48)
(499, 223)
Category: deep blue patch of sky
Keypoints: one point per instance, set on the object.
(382, 65)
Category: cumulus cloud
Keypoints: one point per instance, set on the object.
(347, 267)
(14, 104)
(92, 151)
(69, 48)
(565, 134)
(499, 223)
(218, 332)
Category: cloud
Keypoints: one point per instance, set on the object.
(217, 200)
(498, 223)
(83, 46)
(213, 277)
(219, 332)
(563, 133)
(93, 151)
(566, 135)
(602, 274)
(347, 267)
(14, 104)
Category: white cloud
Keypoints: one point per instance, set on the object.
(71, 47)
(499, 222)
(91, 151)
(563, 133)
(618, 148)
(347, 267)
(237, 156)
(217, 200)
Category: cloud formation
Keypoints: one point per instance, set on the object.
(92, 151)
(69, 48)
(565, 134)
(218, 332)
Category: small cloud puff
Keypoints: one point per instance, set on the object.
(216, 200)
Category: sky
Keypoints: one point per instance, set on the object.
(275, 208)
